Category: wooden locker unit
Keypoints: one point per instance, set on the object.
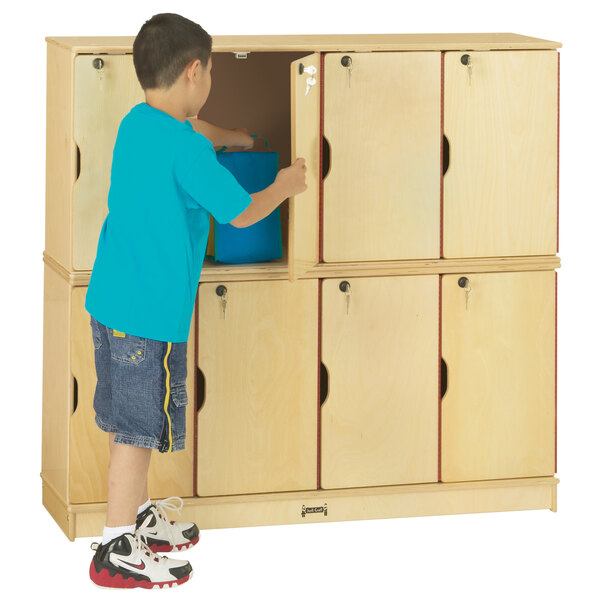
(306, 403)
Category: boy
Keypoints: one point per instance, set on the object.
(165, 180)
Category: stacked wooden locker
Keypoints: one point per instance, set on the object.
(400, 359)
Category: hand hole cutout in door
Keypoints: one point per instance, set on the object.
(325, 157)
(200, 389)
(75, 395)
(443, 378)
(324, 384)
(78, 166)
(445, 155)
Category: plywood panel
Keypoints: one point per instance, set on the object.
(102, 98)
(257, 426)
(170, 474)
(500, 189)
(381, 196)
(61, 154)
(306, 142)
(56, 387)
(499, 408)
(379, 423)
(328, 42)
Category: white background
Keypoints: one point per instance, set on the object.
(503, 555)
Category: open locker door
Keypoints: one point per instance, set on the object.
(303, 236)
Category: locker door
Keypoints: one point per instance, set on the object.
(381, 119)
(379, 421)
(170, 474)
(498, 346)
(305, 109)
(106, 88)
(257, 368)
(500, 119)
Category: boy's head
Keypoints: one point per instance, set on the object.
(165, 45)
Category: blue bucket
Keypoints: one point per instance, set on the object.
(260, 242)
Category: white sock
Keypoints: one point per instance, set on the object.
(110, 533)
(144, 506)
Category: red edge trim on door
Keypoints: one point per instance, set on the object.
(321, 110)
(440, 276)
(440, 379)
(442, 161)
(556, 272)
(195, 406)
(322, 59)
(319, 386)
(557, 150)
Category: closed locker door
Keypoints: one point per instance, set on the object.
(498, 345)
(379, 420)
(500, 120)
(257, 364)
(382, 128)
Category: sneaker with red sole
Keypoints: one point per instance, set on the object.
(126, 562)
(162, 535)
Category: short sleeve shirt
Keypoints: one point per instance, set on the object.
(165, 180)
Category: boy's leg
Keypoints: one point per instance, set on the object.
(127, 477)
(123, 560)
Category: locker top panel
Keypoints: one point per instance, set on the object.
(329, 42)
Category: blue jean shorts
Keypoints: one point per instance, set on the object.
(141, 391)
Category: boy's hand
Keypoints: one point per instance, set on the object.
(241, 138)
(293, 178)
(219, 136)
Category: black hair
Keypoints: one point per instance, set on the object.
(165, 45)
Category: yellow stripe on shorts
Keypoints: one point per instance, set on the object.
(166, 405)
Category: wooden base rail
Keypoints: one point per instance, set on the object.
(322, 506)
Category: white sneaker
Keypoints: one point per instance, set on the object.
(126, 562)
(162, 535)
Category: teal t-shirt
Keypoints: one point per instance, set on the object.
(165, 180)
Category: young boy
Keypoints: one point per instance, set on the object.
(165, 180)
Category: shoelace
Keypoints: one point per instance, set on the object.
(141, 546)
(161, 505)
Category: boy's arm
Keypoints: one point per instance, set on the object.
(263, 204)
(288, 182)
(219, 136)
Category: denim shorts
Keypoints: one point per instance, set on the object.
(141, 391)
